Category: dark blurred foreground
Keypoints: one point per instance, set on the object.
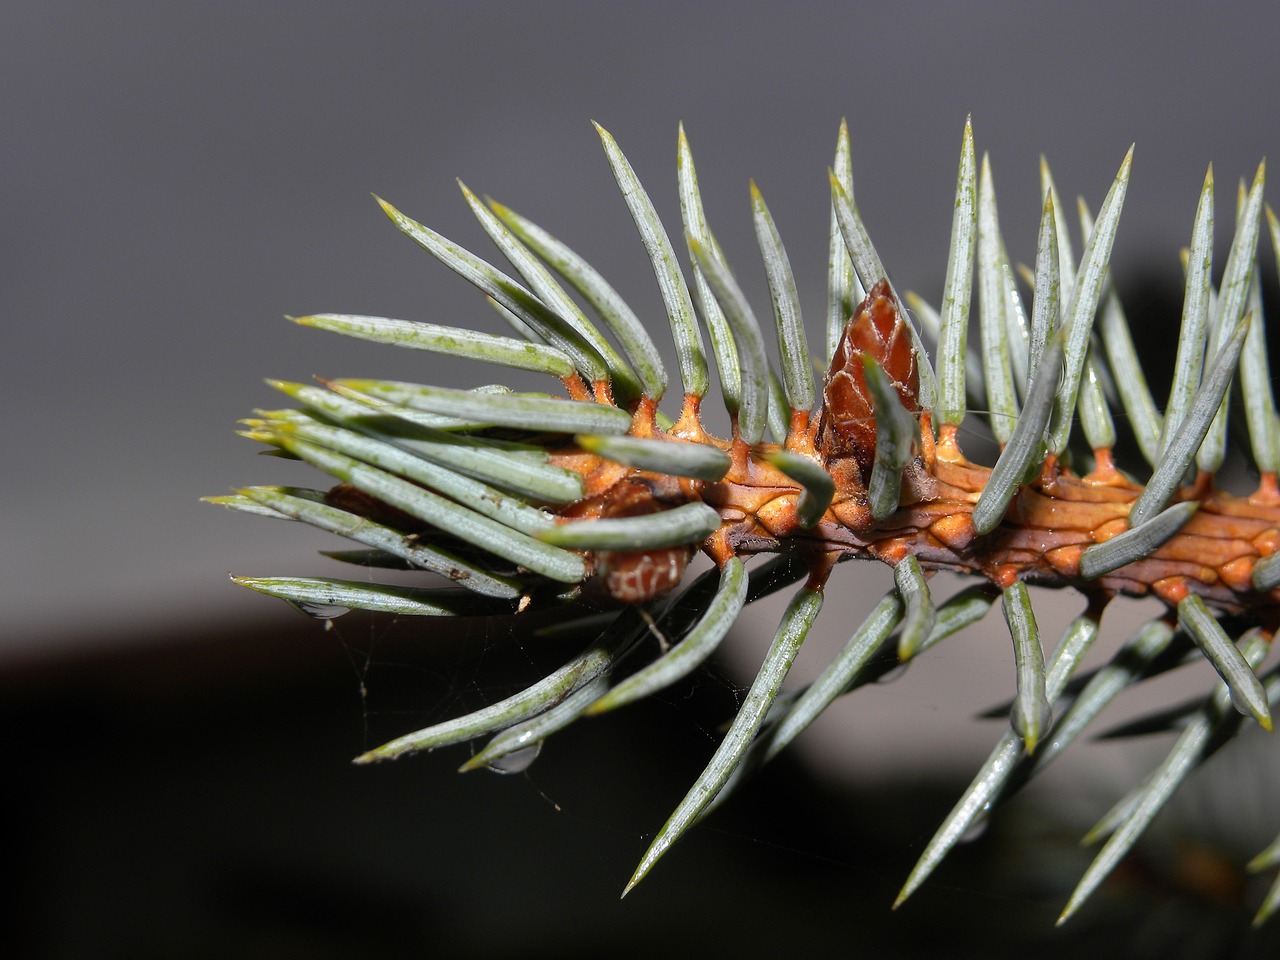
(198, 800)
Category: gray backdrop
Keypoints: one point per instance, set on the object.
(177, 177)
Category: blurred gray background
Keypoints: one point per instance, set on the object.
(177, 177)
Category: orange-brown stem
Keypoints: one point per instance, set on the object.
(1049, 524)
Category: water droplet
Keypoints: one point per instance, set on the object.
(978, 827)
(893, 673)
(517, 762)
(320, 611)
